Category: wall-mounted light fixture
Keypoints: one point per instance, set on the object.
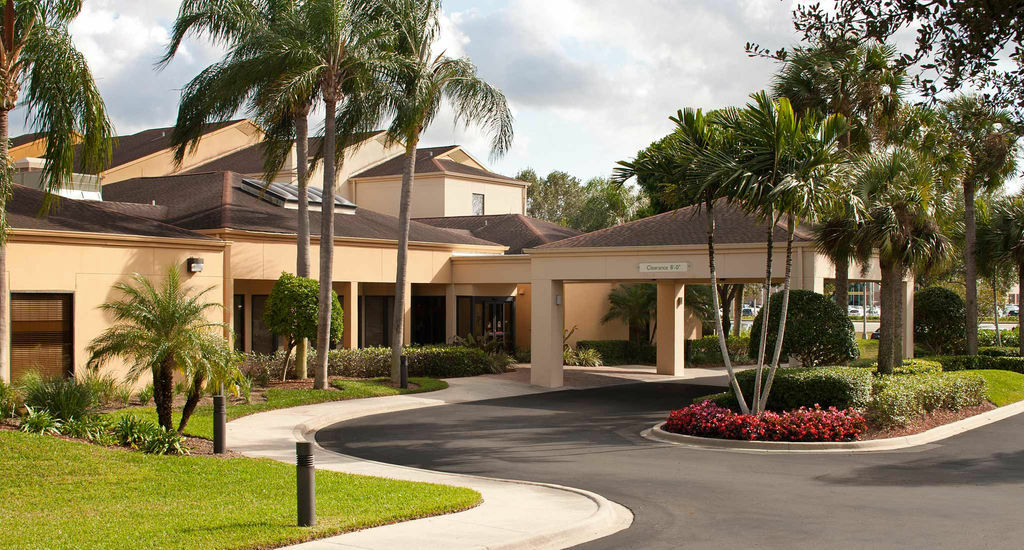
(558, 300)
(194, 265)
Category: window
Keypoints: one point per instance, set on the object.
(263, 341)
(478, 204)
(41, 334)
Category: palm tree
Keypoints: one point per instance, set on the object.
(861, 82)
(684, 168)
(897, 189)
(245, 78)
(163, 330)
(1002, 239)
(988, 145)
(424, 81)
(785, 165)
(635, 305)
(62, 102)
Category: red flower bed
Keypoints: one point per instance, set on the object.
(805, 424)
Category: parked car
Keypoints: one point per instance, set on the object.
(1012, 311)
(877, 335)
(749, 311)
(856, 311)
(874, 310)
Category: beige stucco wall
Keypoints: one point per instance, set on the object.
(88, 266)
(382, 195)
(585, 305)
(499, 198)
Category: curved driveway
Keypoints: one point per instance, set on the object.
(963, 492)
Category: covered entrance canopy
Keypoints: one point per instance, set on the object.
(670, 249)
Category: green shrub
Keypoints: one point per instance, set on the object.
(840, 387)
(975, 362)
(987, 338)
(707, 350)
(132, 431)
(901, 400)
(621, 352)
(581, 357)
(64, 398)
(145, 395)
(8, 400)
(993, 351)
(41, 422)
(163, 442)
(292, 310)
(261, 369)
(104, 387)
(522, 355)
(92, 428)
(918, 366)
(429, 361)
(818, 332)
(940, 320)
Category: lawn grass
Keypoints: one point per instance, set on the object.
(66, 494)
(200, 424)
(868, 353)
(1003, 386)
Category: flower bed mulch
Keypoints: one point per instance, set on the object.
(197, 446)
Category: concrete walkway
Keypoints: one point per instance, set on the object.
(513, 514)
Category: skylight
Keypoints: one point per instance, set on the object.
(286, 195)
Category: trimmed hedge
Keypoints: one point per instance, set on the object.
(429, 361)
(993, 351)
(792, 388)
(621, 352)
(975, 362)
(707, 350)
(918, 366)
(987, 337)
(900, 400)
(818, 332)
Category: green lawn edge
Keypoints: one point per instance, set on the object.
(68, 494)
(201, 422)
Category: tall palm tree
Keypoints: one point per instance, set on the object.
(685, 167)
(61, 102)
(898, 191)
(860, 81)
(245, 79)
(635, 305)
(427, 79)
(988, 144)
(163, 330)
(1001, 236)
(785, 167)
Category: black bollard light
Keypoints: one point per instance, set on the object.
(306, 483)
(403, 370)
(220, 420)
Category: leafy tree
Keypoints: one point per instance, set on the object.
(559, 198)
(37, 56)
(422, 82)
(606, 204)
(957, 43)
(292, 311)
(1002, 237)
(163, 330)
(939, 320)
(818, 331)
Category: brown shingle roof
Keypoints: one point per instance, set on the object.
(135, 146)
(686, 226)
(249, 160)
(428, 163)
(73, 215)
(512, 230)
(18, 141)
(215, 200)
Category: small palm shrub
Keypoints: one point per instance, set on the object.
(132, 431)
(163, 442)
(145, 395)
(40, 422)
(940, 317)
(64, 398)
(8, 400)
(581, 357)
(818, 332)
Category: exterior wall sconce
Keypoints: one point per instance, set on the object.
(194, 265)
(558, 300)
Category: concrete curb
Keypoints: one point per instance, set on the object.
(939, 433)
(606, 518)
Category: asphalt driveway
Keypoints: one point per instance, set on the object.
(964, 492)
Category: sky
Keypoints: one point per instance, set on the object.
(589, 82)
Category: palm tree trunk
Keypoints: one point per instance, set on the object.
(405, 202)
(5, 308)
(163, 394)
(302, 243)
(843, 283)
(898, 343)
(995, 312)
(737, 312)
(190, 404)
(885, 322)
(723, 297)
(323, 339)
(722, 345)
(766, 293)
(970, 267)
(763, 397)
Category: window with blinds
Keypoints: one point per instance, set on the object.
(41, 334)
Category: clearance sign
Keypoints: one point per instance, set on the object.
(664, 267)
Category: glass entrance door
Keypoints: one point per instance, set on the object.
(492, 318)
